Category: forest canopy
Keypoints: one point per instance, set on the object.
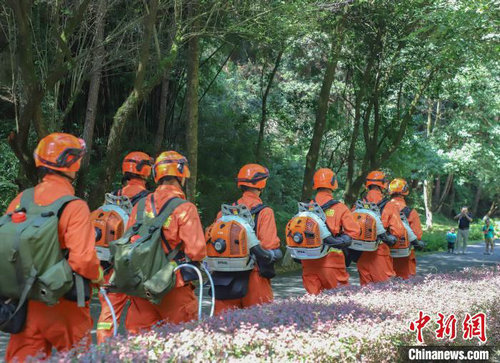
(410, 87)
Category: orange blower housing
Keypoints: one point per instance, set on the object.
(108, 226)
(402, 247)
(303, 232)
(230, 239)
(109, 222)
(368, 226)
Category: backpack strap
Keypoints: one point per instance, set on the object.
(141, 208)
(164, 213)
(406, 211)
(255, 211)
(56, 207)
(382, 204)
(167, 210)
(27, 198)
(329, 204)
(139, 196)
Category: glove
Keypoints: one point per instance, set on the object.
(419, 245)
(340, 241)
(100, 280)
(268, 256)
(388, 239)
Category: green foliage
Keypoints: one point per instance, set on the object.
(9, 166)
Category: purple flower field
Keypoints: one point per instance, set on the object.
(348, 324)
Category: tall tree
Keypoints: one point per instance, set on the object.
(322, 110)
(265, 95)
(192, 86)
(94, 84)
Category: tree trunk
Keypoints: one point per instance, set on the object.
(447, 187)
(427, 194)
(192, 104)
(437, 190)
(128, 108)
(319, 126)
(452, 201)
(31, 94)
(263, 119)
(477, 198)
(95, 82)
(493, 209)
(162, 117)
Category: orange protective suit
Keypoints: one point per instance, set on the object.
(259, 288)
(330, 270)
(65, 324)
(406, 267)
(105, 323)
(182, 227)
(377, 266)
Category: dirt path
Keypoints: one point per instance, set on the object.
(290, 284)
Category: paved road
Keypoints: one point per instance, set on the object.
(290, 284)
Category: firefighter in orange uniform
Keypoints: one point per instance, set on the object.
(330, 270)
(136, 169)
(252, 179)
(183, 227)
(63, 325)
(405, 267)
(377, 266)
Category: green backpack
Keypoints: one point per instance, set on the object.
(32, 264)
(141, 267)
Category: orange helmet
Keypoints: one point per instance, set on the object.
(325, 178)
(170, 163)
(398, 186)
(376, 177)
(138, 163)
(60, 151)
(253, 176)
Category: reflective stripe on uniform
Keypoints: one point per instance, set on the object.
(104, 325)
(335, 250)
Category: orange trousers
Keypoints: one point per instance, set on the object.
(317, 280)
(105, 323)
(259, 292)
(178, 306)
(406, 267)
(60, 326)
(374, 267)
(413, 263)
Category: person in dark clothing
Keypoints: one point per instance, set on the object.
(464, 219)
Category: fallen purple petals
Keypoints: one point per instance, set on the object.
(348, 324)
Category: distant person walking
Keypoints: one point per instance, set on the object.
(464, 219)
(489, 234)
(451, 238)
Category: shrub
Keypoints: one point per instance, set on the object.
(346, 324)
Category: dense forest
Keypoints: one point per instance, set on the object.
(411, 87)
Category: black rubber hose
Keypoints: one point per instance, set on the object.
(341, 241)
(268, 256)
(388, 239)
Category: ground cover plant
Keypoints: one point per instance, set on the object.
(348, 324)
